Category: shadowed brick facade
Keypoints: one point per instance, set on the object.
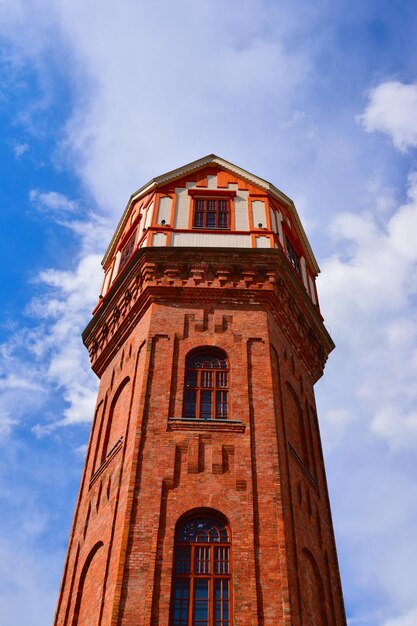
(176, 284)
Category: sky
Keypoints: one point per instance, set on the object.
(318, 98)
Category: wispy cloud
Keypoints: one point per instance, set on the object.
(19, 149)
(51, 201)
(406, 619)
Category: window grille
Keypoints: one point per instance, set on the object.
(127, 250)
(206, 393)
(211, 213)
(293, 256)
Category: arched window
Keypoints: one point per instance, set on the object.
(206, 394)
(201, 590)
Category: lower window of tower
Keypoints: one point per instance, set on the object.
(202, 574)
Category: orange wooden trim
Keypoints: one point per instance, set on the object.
(202, 182)
(268, 214)
(277, 240)
(190, 213)
(153, 221)
(232, 214)
(158, 198)
(148, 201)
(103, 282)
(250, 216)
(173, 208)
(222, 193)
(212, 231)
(130, 230)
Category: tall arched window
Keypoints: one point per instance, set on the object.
(201, 590)
(206, 394)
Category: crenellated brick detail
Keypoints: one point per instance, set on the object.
(252, 278)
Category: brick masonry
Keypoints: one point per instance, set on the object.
(263, 470)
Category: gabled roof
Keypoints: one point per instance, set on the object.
(212, 159)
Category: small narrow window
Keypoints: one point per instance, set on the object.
(206, 394)
(201, 589)
(293, 256)
(211, 213)
(127, 250)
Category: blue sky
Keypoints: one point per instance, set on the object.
(320, 99)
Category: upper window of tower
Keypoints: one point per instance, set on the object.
(127, 250)
(206, 388)
(211, 213)
(293, 257)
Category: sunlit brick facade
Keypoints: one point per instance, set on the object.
(203, 499)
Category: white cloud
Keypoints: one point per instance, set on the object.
(216, 73)
(81, 451)
(338, 420)
(392, 110)
(93, 232)
(39, 363)
(19, 149)
(6, 425)
(396, 425)
(51, 201)
(408, 618)
(368, 292)
(50, 358)
(11, 381)
(65, 308)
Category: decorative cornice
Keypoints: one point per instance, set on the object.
(209, 276)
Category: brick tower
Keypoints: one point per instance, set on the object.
(203, 500)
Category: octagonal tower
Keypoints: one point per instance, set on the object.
(203, 499)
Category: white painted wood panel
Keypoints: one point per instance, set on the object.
(164, 210)
(148, 216)
(241, 210)
(182, 208)
(210, 240)
(312, 290)
(304, 272)
(211, 181)
(274, 225)
(258, 213)
(116, 265)
(262, 242)
(159, 239)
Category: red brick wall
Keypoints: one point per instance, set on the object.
(263, 471)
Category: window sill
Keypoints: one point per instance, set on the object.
(211, 229)
(182, 423)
